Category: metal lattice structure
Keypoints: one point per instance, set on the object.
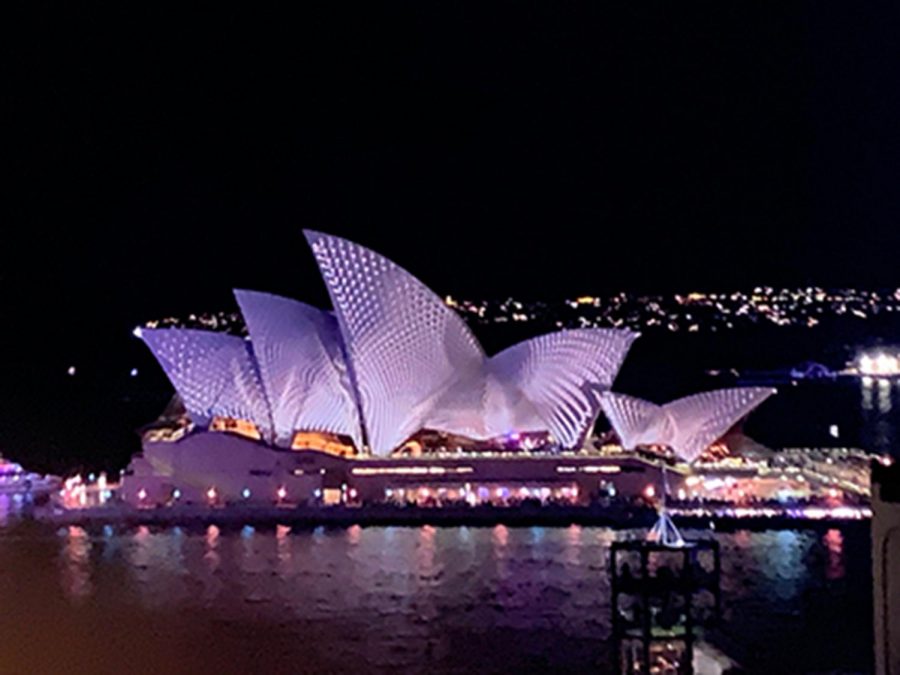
(687, 425)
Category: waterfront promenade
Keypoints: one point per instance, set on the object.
(618, 516)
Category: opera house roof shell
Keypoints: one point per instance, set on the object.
(392, 359)
(687, 425)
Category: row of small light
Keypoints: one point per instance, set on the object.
(473, 496)
(841, 512)
(212, 494)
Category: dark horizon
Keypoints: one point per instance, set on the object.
(545, 151)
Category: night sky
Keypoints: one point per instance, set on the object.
(160, 158)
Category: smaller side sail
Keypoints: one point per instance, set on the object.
(213, 373)
(635, 421)
(687, 425)
(703, 418)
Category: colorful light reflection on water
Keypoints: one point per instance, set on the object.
(400, 599)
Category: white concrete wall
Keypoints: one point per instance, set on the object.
(225, 462)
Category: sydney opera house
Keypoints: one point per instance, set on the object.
(390, 397)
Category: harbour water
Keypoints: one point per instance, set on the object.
(396, 599)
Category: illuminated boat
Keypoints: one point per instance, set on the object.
(14, 480)
(882, 364)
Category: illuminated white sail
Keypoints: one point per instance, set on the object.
(302, 366)
(688, 425)
(214, 374)
(417, 365)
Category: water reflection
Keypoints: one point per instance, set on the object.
(500, 536)
(500, 542)
(283, 547)
(397, 598)
(866, 394)
(834, 543)
(465, 535)
(212, 545)
(573, 545)
(8, 506)
(884, 396)
(76, 564)
(426, 568)
(879, 423)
